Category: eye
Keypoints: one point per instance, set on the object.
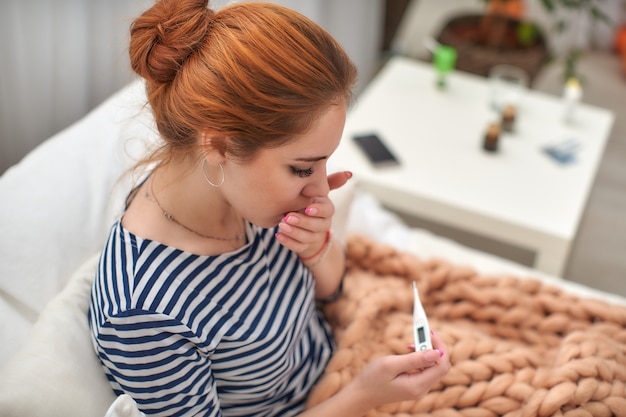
(302, 173)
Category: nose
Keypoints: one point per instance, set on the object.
(317, 186)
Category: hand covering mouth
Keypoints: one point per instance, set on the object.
(301, 211)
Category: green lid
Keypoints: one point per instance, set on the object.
(444, 58)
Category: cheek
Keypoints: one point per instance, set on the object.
(266, 204)
(269, 194)
(280, 195)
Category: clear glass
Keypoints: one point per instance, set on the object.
(508, 84)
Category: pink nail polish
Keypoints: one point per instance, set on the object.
(286, 219)
(308, 210)
(440, 352)
(410, 346)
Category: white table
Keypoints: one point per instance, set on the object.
(518, 195)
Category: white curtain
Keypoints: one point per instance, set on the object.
(60, 58)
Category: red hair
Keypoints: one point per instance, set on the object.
(254, 74)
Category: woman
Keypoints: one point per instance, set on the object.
(205, 297)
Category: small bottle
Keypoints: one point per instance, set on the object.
(492, 135)
(444, 60)
(508, 118)
(572, 94)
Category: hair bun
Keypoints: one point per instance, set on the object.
(164, 36)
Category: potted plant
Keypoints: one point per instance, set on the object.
(566, 16)
(499, 35)
(502, 35)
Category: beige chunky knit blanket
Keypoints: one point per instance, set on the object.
(518, 347)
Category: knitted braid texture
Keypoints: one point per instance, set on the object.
(518, 347)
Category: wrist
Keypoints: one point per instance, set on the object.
(357, 396)
(349, 401)
(320, 254)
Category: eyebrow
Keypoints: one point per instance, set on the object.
(311, 159)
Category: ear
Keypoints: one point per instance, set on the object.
(212, 147)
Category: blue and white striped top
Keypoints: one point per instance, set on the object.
(236, 334)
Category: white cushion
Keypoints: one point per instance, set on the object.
(57, 373)
(15, 323)
(60, 200)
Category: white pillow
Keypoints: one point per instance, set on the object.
(59, 202)
(15, 324)
(57, 373)
(56, 203)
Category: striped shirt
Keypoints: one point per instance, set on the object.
(236, 334)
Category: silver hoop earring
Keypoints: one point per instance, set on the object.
(219, 184)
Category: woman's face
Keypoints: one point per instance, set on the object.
(287, 178)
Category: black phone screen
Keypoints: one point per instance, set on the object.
(376, 150)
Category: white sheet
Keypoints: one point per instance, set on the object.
(368, 217)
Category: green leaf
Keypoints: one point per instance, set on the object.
(572, 4)
(526, 33)
(548, 5)
(600, 15)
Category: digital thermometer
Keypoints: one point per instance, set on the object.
(421, 330)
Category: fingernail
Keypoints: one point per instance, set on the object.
(310, 211)
(285, 227)
(410, 346)
(440, 352)
(290, 219)
(432, 332)
(348, 174)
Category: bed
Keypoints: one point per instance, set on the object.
(522, 342)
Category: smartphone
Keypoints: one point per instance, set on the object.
(421, 329)
(376, 150)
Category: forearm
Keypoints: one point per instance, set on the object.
(349, 402)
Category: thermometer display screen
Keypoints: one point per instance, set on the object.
(421, 337)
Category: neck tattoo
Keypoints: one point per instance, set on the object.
(152, 197)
